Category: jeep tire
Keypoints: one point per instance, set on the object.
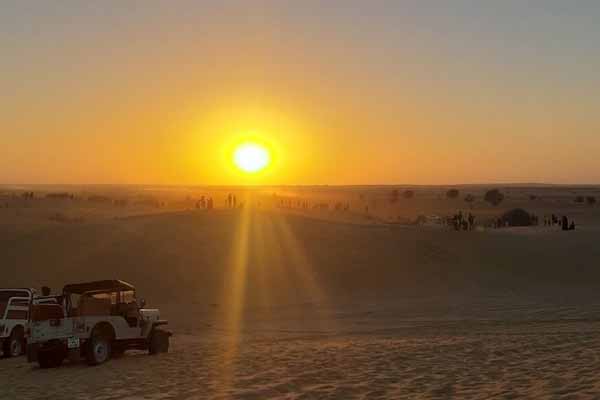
(15, 344)
(159, 342)
(98, 349)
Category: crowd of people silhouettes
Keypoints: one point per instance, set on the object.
(205, 203)
(462, 222)
(563, 222)
(231, 201)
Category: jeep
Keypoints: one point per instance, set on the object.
(95, 321)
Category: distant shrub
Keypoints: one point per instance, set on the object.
(533, 197)
(121, 202)
(394, 196)
(591, 200)
(60, 196)
(494, 197)
(452, 193)
(148, 202)
(99, 199)
(469, 198)
(579, 199)
(517, 217)
(62, 218)
(421, 220)
(408, 194)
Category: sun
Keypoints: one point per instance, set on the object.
(251, 157)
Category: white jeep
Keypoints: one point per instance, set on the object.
(94, 320)
(14, 309)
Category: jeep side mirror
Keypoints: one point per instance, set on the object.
(142, 303)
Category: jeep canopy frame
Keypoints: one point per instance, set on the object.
(99, 287)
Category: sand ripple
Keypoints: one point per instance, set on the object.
(471, 360)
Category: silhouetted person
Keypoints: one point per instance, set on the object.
(46, 291)
(471, 221)
(572, 226)
(234, 201)
(465, 225)
(565, 223)
(456, 222)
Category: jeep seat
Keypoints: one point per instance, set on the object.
(129, 311)
(45, 312)
(90, 306)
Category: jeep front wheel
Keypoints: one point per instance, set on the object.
(14, 345)
(159, 342)
(98, 350)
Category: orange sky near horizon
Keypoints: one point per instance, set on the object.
(160, 95)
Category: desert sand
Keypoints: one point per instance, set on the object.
(278, 300)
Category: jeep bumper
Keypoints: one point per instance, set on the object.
(33, 349)
(32, 352)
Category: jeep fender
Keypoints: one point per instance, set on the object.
(105, 328)
(156, 325)
(18, 328)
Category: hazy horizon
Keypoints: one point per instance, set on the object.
(258, 185)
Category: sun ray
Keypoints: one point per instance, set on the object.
(234, 299)
(304, 271)
(259, 247)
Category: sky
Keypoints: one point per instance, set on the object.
(341, 92)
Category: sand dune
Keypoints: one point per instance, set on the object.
(187, 256)
(272, 303)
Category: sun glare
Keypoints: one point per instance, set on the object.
(251, 157)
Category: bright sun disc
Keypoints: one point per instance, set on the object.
(251, 157)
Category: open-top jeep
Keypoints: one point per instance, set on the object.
(94, 320)
(14, 309)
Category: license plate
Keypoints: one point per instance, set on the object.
(73, 343)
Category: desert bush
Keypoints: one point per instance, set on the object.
(533, 197)
(394, 196)
(591, 200)
(469, 198)
(421, 220)
(99, 199)
(62, 218)
(579, 199)
(494, 197)
(517, 217)
(408, 194)
(452, 193)
(60, 196)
